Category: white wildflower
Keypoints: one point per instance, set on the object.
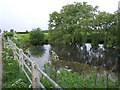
(66, 66)
(30, 86)
(58, 72)
(69, 70)
(13, 84)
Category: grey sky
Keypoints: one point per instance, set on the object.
(24, 15)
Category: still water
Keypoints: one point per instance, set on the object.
(76, 56)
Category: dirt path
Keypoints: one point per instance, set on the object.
(0, 60)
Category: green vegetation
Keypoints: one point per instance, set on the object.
(45, 31)
(12, 75)
(82, 23)
(36, 36)
(66, 79)
(9, 34)
(22, 41)
(76, 23)
(63, 77)
(23, 32)
(46, 36)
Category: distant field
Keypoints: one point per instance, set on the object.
(46, 33)
(26, 36)
(23, 36)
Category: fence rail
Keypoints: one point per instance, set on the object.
(31, 66)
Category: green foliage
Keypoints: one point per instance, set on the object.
(75, 21)
(12, 77)
(9, 34)
(97, 38)
(46, 36)
(45, 31)
(67, 79)
(36, 37)
(22, 41)
(66, 26)
(77, 37)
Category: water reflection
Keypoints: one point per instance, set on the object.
(87, 54)
(36, 51)
(96, 56)
(40, 54)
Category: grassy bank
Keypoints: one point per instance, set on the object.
(12, 75)
(67, 79)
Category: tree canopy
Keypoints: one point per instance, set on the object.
(36, 36)
(78, 21)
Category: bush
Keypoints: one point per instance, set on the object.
(36, 37)
(9, 34)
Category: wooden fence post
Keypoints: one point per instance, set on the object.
(35, 75)
(21, 61)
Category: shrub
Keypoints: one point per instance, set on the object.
(36, 37)
(9, 34)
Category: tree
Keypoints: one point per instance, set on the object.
(11, 30)
(26, 31)
(77, 17)
(79, 21)
(0, 30)
(36, 36)
(104, 28)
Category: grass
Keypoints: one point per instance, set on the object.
(26, 36)
(23, 36)
(12, 75)
(24, 42)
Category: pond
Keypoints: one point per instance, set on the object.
(77, 57)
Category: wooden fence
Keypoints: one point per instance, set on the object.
(31, 66)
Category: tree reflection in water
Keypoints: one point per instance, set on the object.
(37, 51)
(96, 56)
(87, 54)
